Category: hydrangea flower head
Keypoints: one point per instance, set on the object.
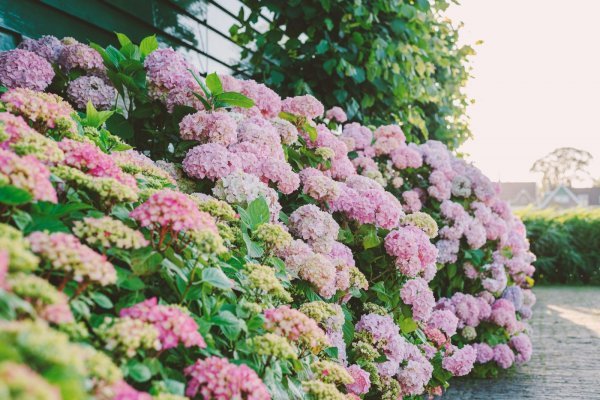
(27, 173)
(173, 324)
(167, 209)
(66, 253)
(307, 106)
(91, 88)
(24, 69)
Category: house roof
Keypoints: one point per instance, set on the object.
(518, 191)
(558, 191)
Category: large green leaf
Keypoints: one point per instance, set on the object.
(14, 196)
(215, 277)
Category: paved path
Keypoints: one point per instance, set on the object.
(566, 361)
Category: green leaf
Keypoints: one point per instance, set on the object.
(234, 99)
(120, 126)
(14, 196)
(215, 277)
(230, 325)
(408, 325)
(102, 300)
(258, 211)
(148, 45)
(311, 130)
(123, 39)
(145, 261)
(214, 84)
(139, 372)
(203, 100)
(95, 118)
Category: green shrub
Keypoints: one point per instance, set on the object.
(567, 245)
(380, 60)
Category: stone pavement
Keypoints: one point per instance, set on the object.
(566, 361)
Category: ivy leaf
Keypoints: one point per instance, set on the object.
(214, 84)
(215, 277)
(234, 99)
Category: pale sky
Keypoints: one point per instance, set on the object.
(536, 81)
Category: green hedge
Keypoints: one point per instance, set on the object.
(566, 243)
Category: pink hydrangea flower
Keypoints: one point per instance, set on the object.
(361, 135)
(266, 102)
(29, 174)
(307, 106)
(386, 337)
(315, 226)
(336, 114)
(281, 173)
(173, 324)
(460, 363)
(90, 159)
(65, 252)
(295, 326)
(169, 79)
(416, 373)
(362, 380)
(406, 157)
(172, 211)
(521, 344)
(122, 391)
(412, 249)
(503, 356)
(216, 379)
(24, 69)
(319, 186)
(444, 320)
(417, 294)
(484, 352)
(412, 201)
(80, 56)
(209, 127)
(47, 47)
(503, 314)
(212, 161)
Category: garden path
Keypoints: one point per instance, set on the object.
(566, 361)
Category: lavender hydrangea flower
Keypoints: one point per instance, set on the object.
(91, 88)
(24, 69)
(48, 47)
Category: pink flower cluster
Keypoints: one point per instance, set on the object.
(415, 254)
(295, 326)
(362, 380)
(416, 372)
(66, 253)
(91, 88)
(90, 159)
(24, 69)
(169, 210)
(174, 326)
(364, 200)
(307, 106)
(27, 173)
(317, 227)
(469, 310)
(211, 161)
(461, 361)
(416, 293)
(360, 136)
(209, 127)
(169, 79)
(81, 56)
(386, 337)
(48, 47)
(217, 379)
(336, 114)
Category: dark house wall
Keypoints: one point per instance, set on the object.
(198, 28)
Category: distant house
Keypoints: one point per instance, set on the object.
(561, 197)
(518, 194)
(587, 196)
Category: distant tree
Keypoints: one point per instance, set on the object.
(563, 166)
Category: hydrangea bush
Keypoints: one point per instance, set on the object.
(253, 250)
